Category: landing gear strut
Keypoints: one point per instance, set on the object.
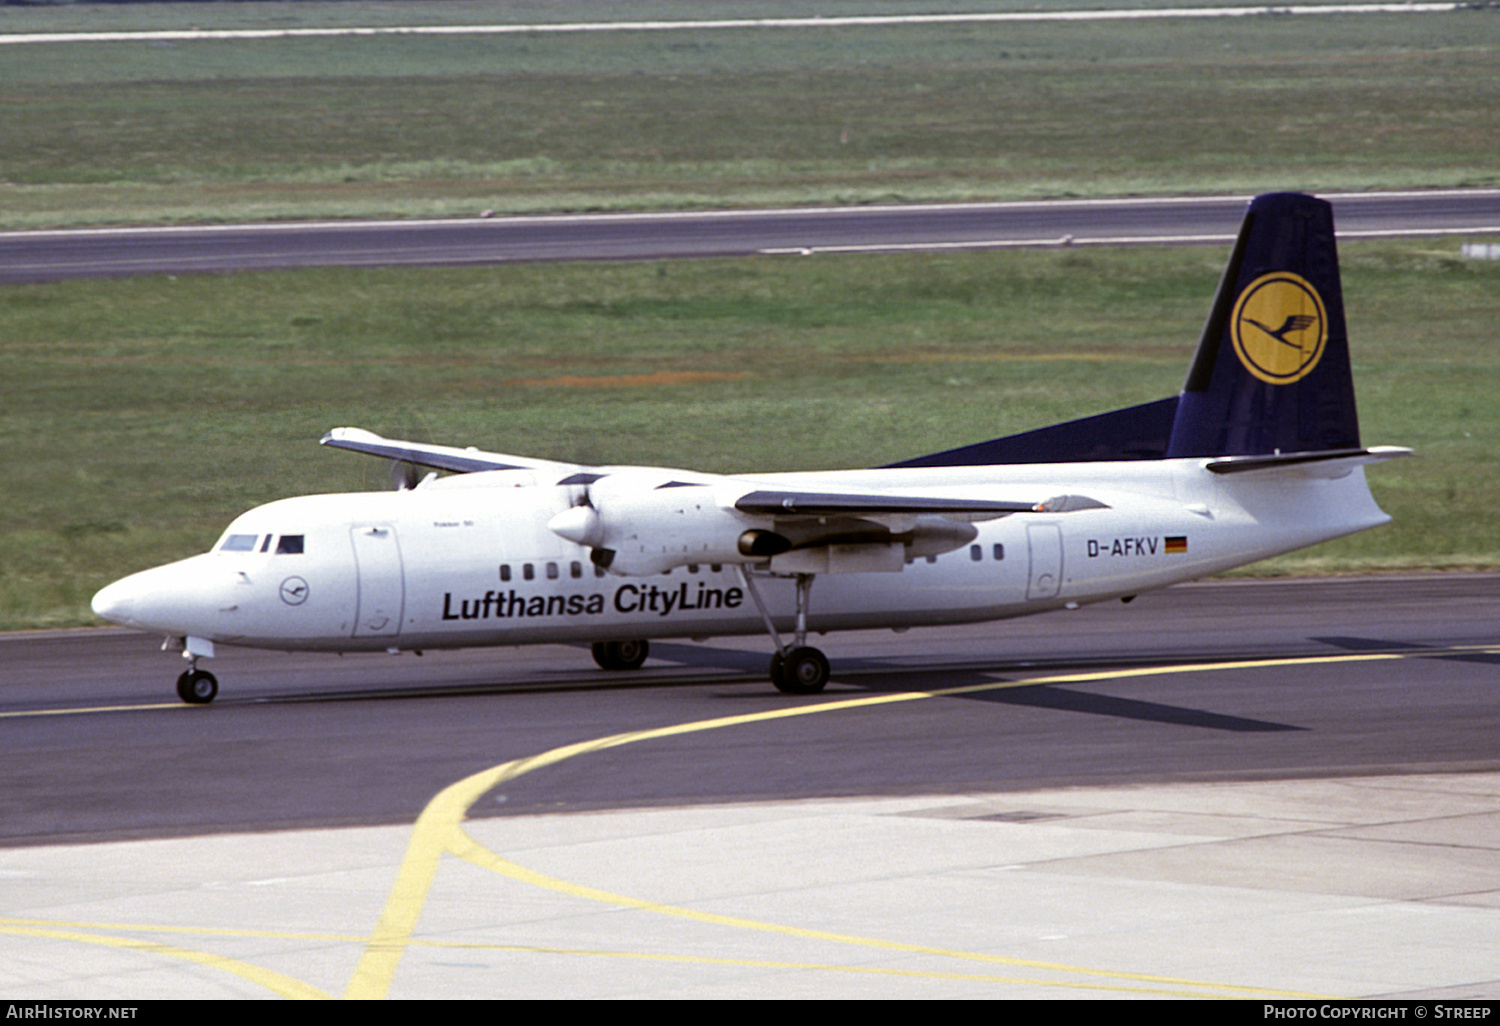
(621, 655)
(796, 669)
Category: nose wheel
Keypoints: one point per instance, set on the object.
(197, 687)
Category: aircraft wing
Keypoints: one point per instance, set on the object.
(441, 457)
(794, 503)
(769, 502)
(832, 532)
(782, 503)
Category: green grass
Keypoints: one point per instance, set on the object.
(137, 132)
(137, 417)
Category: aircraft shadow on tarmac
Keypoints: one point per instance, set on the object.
(1066, 699)
(1041, 696)
(877, 675)
(1377, 645)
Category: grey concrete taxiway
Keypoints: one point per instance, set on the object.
(1358, 887)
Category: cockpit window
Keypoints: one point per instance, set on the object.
(239, 543)
(289, 545)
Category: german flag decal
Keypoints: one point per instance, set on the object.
(1176, 543)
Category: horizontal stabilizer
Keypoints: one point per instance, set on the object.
(1333, 462)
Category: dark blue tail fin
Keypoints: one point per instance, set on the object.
(1271, 374)
(1270, 377)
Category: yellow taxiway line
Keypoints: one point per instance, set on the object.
(439, 831)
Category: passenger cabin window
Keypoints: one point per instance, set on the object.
(505, 571)
(290, 545)
(240, 543)
(551, 571)
(528, 571)
(999, 552)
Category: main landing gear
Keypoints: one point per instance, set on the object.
(621, 655)
(796, 669)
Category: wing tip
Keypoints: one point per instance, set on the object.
(343, 434)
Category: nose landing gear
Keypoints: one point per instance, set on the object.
(194, 686)
(197, 687)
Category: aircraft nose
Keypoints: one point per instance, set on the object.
(115, 602)
(166, 598)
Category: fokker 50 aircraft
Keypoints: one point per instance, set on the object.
(1258, 455)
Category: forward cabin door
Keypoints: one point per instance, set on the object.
(1045, 544)
(382, 585)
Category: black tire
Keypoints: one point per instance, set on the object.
(803, 671)
(197, 687)
(621, 655)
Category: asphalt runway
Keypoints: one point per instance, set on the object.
(1402, 679)
(35, 256)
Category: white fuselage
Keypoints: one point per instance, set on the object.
(469, 560)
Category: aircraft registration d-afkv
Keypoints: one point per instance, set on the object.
(1259, 454)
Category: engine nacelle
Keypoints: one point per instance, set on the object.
(637, 532)
(638, 524)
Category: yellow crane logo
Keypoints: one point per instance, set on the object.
(1279, 327)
